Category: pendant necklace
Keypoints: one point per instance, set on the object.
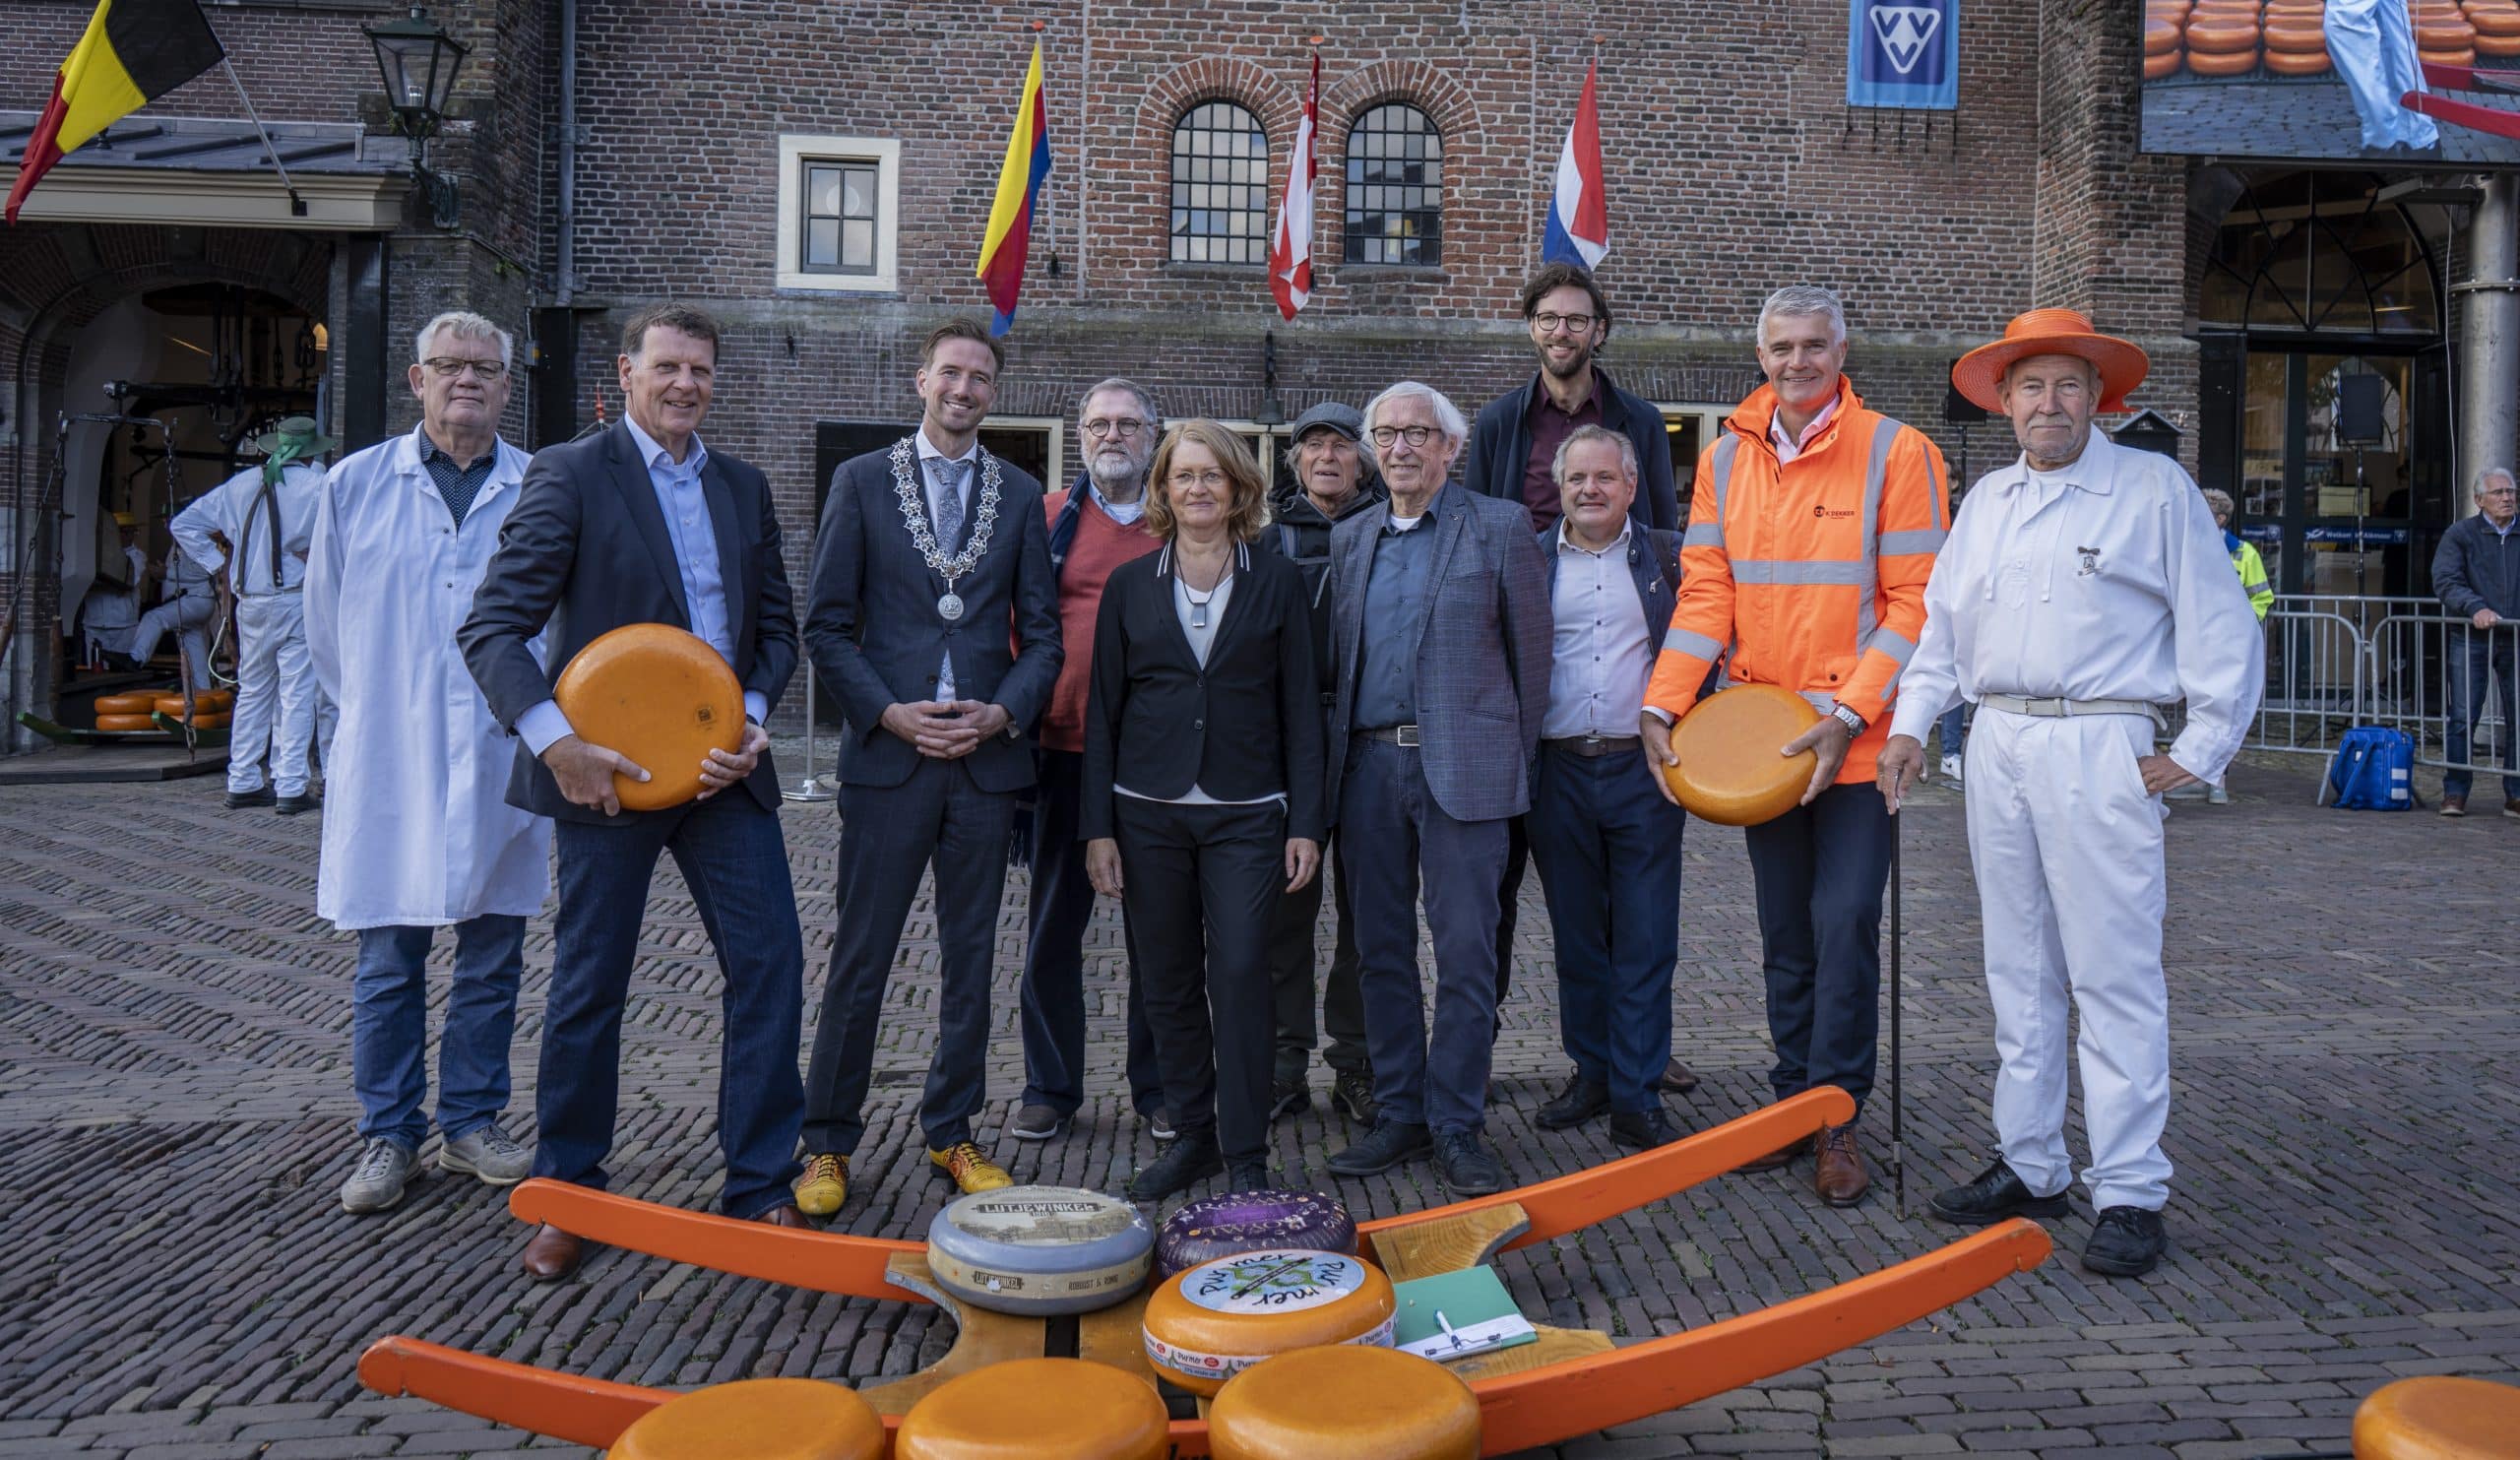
(1199, 601)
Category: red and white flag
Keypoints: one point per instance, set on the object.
(1291, 247)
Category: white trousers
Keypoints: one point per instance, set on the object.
(2372, 44)
(2071, 889)
(275, 695)
(188, 619)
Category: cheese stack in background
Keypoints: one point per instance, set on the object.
(2498, 27)
(2296, 37)
(2442, 34)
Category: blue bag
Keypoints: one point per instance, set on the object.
(2373, 771)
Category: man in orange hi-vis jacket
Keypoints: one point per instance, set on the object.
(1811, 537)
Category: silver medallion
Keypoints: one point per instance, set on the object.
(951, 605)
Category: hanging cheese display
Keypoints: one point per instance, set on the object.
(1345, 1404)
(759, 1419)
(1035, 1409)
(1208, 1323)
(1040, 1250)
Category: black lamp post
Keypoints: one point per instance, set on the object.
(418, 61)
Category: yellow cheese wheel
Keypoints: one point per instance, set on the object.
(2221, 63)
(1208, 1323)
(2436, 1416)
(2464, 56)
(1730, 772)
(1035, 1409)
(2157, 67)
(2161, 36)
(127, 704)
(209, 721)
(2222, 37)
(2446, 35)
(658, 695)
(759, 1419)
(172, 705)
(1345, 1404)
(125, 722)
(2297, 63)
(2498, 45)
(2298, 38)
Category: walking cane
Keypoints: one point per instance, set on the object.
(1898, 1143)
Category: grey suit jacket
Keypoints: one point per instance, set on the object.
(1483, 651)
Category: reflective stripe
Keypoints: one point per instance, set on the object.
(1703, 535)
(1682, 641)
(1824, 703)
(1876, 470)
(1894, 644)
(1724, 451)
(1800, 571)
(1924, 539)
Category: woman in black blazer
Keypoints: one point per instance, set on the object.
(1203, 778)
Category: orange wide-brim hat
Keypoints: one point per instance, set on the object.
(2122, 364)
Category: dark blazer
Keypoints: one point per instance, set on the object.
(875, 636)
(1500, 443)
(1483, 645)
(1654, 560)
(1246, 726)
(585, 552)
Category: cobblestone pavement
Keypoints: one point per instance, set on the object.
(175, 1117)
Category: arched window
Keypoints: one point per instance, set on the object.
(2320, 251)
(1395, 187)
(1219, 186)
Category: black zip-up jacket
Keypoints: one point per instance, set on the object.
(2477, 567)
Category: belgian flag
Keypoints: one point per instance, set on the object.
(134, 51)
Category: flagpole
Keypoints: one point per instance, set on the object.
(296, 204)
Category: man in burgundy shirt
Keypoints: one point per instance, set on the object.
(1096, 526)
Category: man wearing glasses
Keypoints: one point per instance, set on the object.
(1096, 526)
(2477, 573)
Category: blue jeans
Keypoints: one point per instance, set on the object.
(735, 862)
(1820, 872)
(1395, 835)
(2473, 652)
(1607, 847)
(390, 1033)
(1955, 730)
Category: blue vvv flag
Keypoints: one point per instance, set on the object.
(1904, 53)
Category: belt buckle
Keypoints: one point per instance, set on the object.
(1404, 737)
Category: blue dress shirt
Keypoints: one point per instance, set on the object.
(1397, 586)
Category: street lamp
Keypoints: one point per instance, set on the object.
(418, 61)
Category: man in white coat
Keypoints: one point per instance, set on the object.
(419, 834)
(2083, 586)
(266, 515)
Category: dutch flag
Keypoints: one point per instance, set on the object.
(1579, 214)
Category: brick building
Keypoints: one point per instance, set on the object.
(818, 175)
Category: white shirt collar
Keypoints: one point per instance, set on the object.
(1566, 540)
(928, 450)
(2095, 470)
(1125, 514)
(1795, 444)
(650, 449)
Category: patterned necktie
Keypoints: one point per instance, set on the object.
(949, 476)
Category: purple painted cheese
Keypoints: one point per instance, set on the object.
(1215, 1228)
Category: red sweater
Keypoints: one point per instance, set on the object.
(1100, 545)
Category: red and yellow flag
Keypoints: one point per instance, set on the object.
(134, 51)
(1019, 186)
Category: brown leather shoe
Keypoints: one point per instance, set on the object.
(1776, 1159)
(1679, 1078)
(1839, 1175)
(551, 1254)
(785, 1215)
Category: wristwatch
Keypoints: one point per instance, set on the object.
(1855, 723)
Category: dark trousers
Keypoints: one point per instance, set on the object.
(1820, 872)
(1400, 841)
(732, 855)
(1607, 847)
(889, 835)
(1202, 885)
(1053, 991)
(1291, 984)
(2481, 664)
(1509, 899)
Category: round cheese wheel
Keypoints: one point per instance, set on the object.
(126, 722)
(2224, 12)
(2157, 67)
(2436, 1416)
(2176, 14)
(1035, 1409)
(2300, 37)
(660, 696)
(1208, 1323)
(2221, 37)
(2465, 55)
(2221, 63)
(1345, 1404)
(1040, 1249)
(2498, 45)
(2297, 63)
(1214, 1228)
(127, 704)
(2444, 36)
(2160, 37)
(760, 1419)
(1730, 772)
(2498, 22)
(211, 721)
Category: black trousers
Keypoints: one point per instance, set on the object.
(1051, 993)
(1202, 885)
(1820, 872)
(1290, 983)
(1509, 892)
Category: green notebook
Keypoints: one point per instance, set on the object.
(1455, 1314)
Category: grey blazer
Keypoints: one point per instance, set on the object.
(1483, 651)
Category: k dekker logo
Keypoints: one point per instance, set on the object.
(1904, 31)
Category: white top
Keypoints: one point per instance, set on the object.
(1603, 657)
(229, 509)
(1202, 639)
(2104, 580)
(417, 830)
(1126, 514)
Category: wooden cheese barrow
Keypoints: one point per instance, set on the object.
(1570, 1382)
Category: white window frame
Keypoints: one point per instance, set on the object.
(796, 148)
(1052, 426)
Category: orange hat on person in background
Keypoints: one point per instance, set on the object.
(2122, 364)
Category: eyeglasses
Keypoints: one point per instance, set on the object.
(447, 367)
(2497, 491)
(1212, 479)
(1414, 435)
(1125, 429)
(1552, 323)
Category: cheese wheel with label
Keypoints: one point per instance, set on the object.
(759, 1419)
(1345, 1404)
(1041, 1249)
(1214, 1228)
(1036, 1409)
(1208, 1323)
(660, 696)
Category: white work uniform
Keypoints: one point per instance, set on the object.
(109, 616)
(274, 684)
(188, 607)
(2104, 580)
(2372, 44)
(418, 831)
